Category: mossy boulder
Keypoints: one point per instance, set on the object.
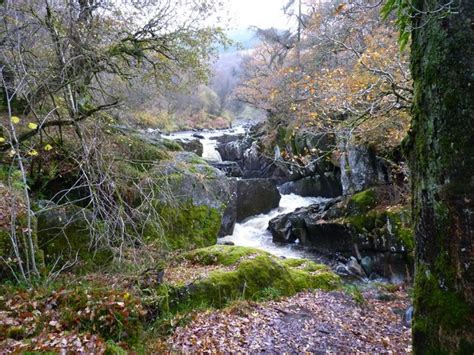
(185, 226)
(191, 200)
(362, 202)
(383, 229)
(247, 273)
(66, 233)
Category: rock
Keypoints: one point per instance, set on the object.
(227, 138)
(354, 268)
(367, 264)
(361, 168)
(229, 216)
(253, 270)
(227, 242)
(234, 150)
(65, 232)
(191, 145)
(382, 238)
(230, 168)
(255, 196)
(308, 227)
(254, 164)
(327, 185)
(197, 135)
(341, 269)
(200, 206)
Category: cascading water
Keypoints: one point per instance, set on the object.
(209, 144)
(253, 231)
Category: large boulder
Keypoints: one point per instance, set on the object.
(193, 201)
(234, 150)
(326, 185)
(242, 273)
(361, 168)
(355, 226)
(256, 196)
(68, 234)
(227, 138)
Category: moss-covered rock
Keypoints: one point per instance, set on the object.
(387, 229)
(254, 272)
(185, 226)
(190, 200)
(65, 233)
(220, 255)
(362, 202)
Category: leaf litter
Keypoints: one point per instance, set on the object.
(314, 322)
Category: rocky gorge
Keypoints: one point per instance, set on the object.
(361, 228)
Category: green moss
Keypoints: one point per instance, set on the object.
(255, 271)
(303, 264)
(185, 226)
(65, 233)
(171, 145)
(111, 348)
(437, 307)
(220, 255)
(390, 222)
(362, 202)
(16, 332)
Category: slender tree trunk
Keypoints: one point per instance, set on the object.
(441, 152)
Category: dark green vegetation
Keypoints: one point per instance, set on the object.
(441, 151)
(255, 275)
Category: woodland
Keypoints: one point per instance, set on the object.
(169, 184)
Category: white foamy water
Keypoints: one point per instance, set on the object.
(253, 231)
(209, 145)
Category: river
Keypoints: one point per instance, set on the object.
(253, 231)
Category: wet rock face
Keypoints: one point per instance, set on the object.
(248, 198)
(227, 138)
(361, 168)
(234, 149)
(327, 185)
(256, 196)
(245, 151)
(381, 239)
(230, 168)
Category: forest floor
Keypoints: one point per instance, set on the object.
(315, 322)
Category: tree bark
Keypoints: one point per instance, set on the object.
(441, 154)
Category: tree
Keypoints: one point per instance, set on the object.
(441, 151)
(60, 65)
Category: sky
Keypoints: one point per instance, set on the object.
(260, 13)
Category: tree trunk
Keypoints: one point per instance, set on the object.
(441, 154)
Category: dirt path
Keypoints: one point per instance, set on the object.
(308, 322)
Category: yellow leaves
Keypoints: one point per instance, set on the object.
(2, 140)
(32, 125)
(47, 147)
(12, 153)
(15, 119)
(33, 153)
